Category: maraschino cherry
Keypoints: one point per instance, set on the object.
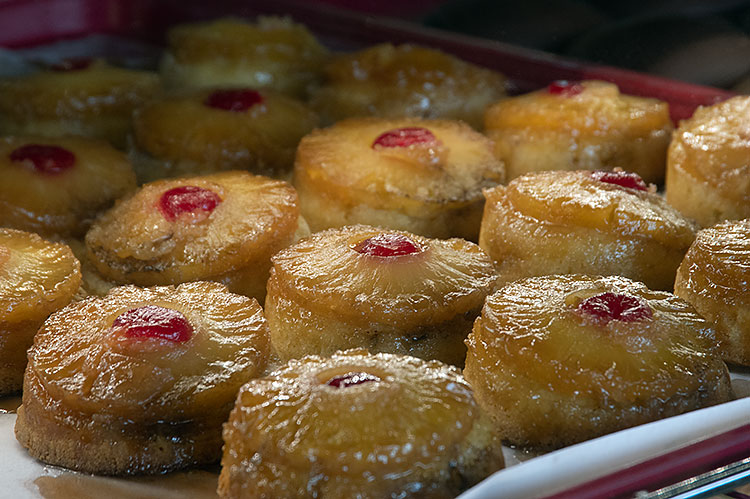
(72, 64)
(197, 201)
(351, 379)
(405, 137)
(47, 159)
(237, 100)
(623, 179)
(388, 244)
(565, 88)
(607, 307)
(154, 322)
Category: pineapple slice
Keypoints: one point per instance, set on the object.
(600, 223)
(316, 427)
(37, 277)
(560, 359)
(223, 227)
(93, 100)
(384, 290)
(209, 131)
(56, 187)
(141, 380)
(272, 53)
(422, 176)
(580, 126)
(713, 278)
(406, 80)
(708, 176)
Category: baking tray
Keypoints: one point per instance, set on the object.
(614, 465)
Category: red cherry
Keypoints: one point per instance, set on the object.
(351, 379)
(234, 100)
(188, 199)
(153, 321)
(405, 137)
(606, 307)
(387, 244)
(72, 64)
(51, 160)
(565, 88)
(623, 179)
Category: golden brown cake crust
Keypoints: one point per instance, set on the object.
(37, 277)
(293, 435)
(189, 137)
(95, 102)
(551, 375)
(571, 222)
(598, 128)
(434, 189)
(256, 216)
(153, 404)
(713, 278)
(324, 296)
(273, 52)
(65, 203)
(707, 168)
(406, 80)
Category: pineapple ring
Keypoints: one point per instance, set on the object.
(552, 373)
(194, 134)
(233, 243)
(37, 277)
(406, 80)
(99, 400)
(324, 295)
(60, 201)
(295, 433)
(94, 101)
(593, 128)
(713, 278)
(573, 222)
(344, 176)
(707, 169)
(273, 53)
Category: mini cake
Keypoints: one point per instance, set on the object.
(214, 130)
(141, 380)
(357, 425)
(707, 172)
(406, 80)
(422, 176)
(272, 53)
(57, 186)
(223, 227)
(606, 223)
(77, 97)
(580, 126)
(713, 278)
(560, 359)
(383, 290)
(37, 277)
